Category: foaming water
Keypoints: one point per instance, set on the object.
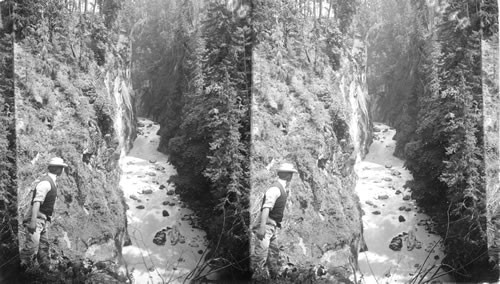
(389, 212)
(153, 208)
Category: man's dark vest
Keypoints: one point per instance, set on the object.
(47, 206)
(276, 212)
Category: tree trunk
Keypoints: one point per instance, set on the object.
(320, 7)
(329, 8)
(99, 4)
(314, 9)
(85, 9)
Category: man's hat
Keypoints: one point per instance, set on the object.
(287, 168)
(56, 161)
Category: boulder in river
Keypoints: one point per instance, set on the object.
(147, 191)
(383, 197)
(140, 207)
(395, 173)
(162, 186)
(388, 166)
(165, 213)
(387, 179)
(401, 218)
(406, 197)
(133, 197)
(170, 192)
(376, 212)
(175, 236)
(398, 191)
(160, 238)
(396, 244)
(151, 174)
(152, 161)
(182, 239)
(402, 208)
(411, 240)
(165, 203)
(369, 203)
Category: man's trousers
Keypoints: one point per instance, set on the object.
(265, 254)
(35, 244)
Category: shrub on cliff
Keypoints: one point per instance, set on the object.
(65, 55)
(305, 78)
(8, 169)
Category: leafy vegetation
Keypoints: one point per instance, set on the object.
(68, 61)
(8, 185)
(192, 70)
(425, 74)
(307, 67)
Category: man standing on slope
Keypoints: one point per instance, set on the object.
(273, 205)
(42, 202)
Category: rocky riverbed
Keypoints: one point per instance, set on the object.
(400, 238)
(166, 241)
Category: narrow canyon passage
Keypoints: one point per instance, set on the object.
(166, 240)
(400, 238)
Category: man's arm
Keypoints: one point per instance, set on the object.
(263, 220)
(34, 214)
(40, 192)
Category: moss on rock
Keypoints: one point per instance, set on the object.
(80, 115)
(311, 113)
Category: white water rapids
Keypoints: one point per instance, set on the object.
(148, 195)
(381, 176)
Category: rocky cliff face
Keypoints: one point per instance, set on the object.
(85, 116)
(314, 116)
(490, 76)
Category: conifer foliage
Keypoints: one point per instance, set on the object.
(438, 113)
(196, 61)
(212, 144)
(8, 196)
(458, 124)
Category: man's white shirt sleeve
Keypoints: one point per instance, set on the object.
(41, 191)
(270, 197)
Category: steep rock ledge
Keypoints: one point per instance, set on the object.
(490, 76)
(85, 117)
(315, 117)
